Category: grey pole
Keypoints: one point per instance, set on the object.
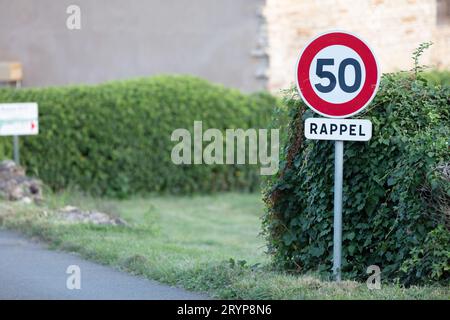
(16, 138)
(337, 226)
(16, 150)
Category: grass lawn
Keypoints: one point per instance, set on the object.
(203, 243)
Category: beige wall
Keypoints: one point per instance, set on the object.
(393, 28)
(215, 39)
(225, 41)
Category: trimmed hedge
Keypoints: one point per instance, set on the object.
(114, 139)
(396, 189)
(438, 77)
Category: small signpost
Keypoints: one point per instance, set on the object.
(17, 119)
(337, 77)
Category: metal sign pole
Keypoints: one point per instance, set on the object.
(337, 225)
(16, 138)
(16, 150)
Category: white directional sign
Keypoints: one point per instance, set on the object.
(338, 129)
(17, 119)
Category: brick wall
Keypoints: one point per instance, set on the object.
(393, 28)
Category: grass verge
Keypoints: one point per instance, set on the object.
(203, 243)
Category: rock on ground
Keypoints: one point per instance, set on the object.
(16, 186)
(76, 215)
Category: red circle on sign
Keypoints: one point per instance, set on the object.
(369, 88)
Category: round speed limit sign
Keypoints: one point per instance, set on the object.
(337, 74)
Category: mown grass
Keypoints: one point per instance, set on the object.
(208, 244)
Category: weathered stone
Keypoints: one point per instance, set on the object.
(16, 193)
(16, 186)
(75, 215)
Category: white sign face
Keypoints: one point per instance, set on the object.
(339, 79)
(337, 74)
(17, 119)
(338, 129)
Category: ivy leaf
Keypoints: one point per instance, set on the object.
(390, 181)
(317, 251)
(350, 236)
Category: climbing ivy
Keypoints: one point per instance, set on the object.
(396, 194)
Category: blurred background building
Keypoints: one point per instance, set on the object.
(393, 29)
(248, 44)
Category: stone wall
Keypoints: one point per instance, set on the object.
(393, 28)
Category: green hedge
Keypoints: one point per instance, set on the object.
(114, 139)
(396, 190)
(438, 77)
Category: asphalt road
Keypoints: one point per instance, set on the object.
(28, 270)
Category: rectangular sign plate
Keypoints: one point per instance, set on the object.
(338, 129)
(17, 119)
